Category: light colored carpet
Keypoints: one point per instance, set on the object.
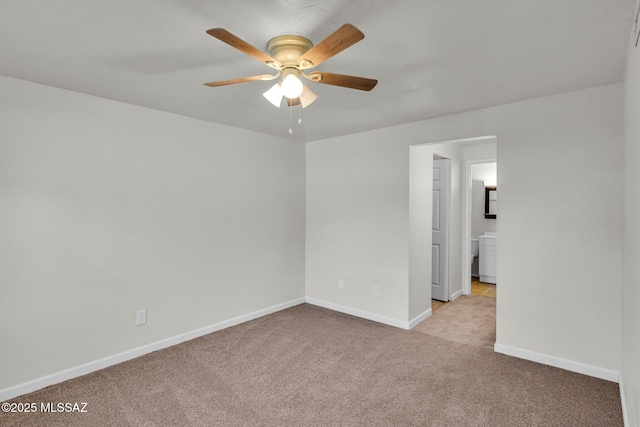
(470, 319)
(308, 366)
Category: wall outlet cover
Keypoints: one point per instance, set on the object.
(141, 317)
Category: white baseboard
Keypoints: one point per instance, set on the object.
(359, 313)
(558, 362)
(454, 296)
(623, 399)
(419, 318)
(77, 371)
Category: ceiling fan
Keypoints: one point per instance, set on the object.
(291, 56)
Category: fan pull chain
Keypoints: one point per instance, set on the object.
(290, 120)
(299, 113)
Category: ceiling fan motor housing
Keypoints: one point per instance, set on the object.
(287, 49)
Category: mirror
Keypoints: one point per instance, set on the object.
(490, 202)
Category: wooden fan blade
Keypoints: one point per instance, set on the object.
(236, 42)
(353, 82)
(240, 80)
(339, 40)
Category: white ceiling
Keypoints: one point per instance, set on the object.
(431, 57)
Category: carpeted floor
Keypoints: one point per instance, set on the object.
(308, 366)
(470, 319)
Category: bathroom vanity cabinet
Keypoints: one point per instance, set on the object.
(487, 259)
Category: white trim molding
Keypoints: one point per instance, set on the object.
(454, 296)
(363, 314)
(105, 362)
(419, 318)
(558, 362)
(623, 398)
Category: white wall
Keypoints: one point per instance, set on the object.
(631, 287)
(560, 210)
(358, 204)
(107, 208)
(357, 226)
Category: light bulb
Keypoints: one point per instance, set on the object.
(291, 87)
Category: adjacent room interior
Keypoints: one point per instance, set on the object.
(141, 210)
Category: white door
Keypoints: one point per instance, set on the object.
(440, 231)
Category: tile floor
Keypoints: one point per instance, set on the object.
(435, 304)
(481, 288)
(477, 288)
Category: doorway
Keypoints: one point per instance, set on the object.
(481, 175)
(422, 292)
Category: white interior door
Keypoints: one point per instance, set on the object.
(440, 230)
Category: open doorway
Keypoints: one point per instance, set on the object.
(481, 218)
(471, 319)
(422, 295)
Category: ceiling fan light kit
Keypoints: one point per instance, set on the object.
(274, 95)
(291, 84)
(290, 56)
(307, 96)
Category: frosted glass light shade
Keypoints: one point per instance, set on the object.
(291, 86)
(307, 96)
(274, 95)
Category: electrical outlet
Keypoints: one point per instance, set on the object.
(141, 317)
(376, 291)
(341, 283)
